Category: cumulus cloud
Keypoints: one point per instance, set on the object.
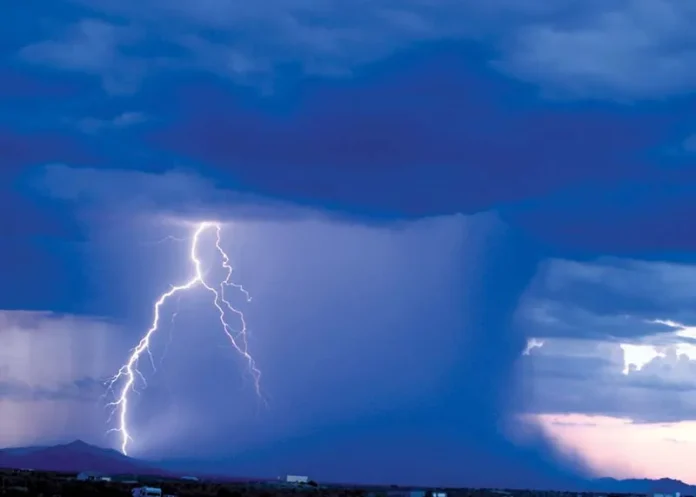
(560, 46)
(602, 352)
(567, 376)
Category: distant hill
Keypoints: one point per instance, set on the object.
(644, 486)
(79, 456)
(75, 457)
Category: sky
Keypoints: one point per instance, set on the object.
(465, 226)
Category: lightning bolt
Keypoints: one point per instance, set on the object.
(129, 371)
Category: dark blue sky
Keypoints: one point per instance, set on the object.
(414, 193)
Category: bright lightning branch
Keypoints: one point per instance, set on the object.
(125, 379)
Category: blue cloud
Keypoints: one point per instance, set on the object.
(622, 290)
(632, 51)
(328, 134)
(419, 124)
(561, 47)
(600, 348)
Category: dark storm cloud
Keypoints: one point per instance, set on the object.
(174, 194)
(547, 317)
(40, 240)
(388, 119)
(19, 149)
(417, 124)
(18, 85)
(582, 178)
(610, 297)
(649, 214)
(433, 119)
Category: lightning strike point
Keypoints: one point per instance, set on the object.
(238, 339)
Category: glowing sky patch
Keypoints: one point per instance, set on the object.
(638, 356)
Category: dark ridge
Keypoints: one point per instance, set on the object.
(78, 456)
(75, 456)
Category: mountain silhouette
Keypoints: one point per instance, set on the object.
(644, 486)
(75, 457)
(78, 456)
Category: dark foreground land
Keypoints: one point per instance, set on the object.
(28, 483)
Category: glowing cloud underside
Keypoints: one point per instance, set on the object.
(128, 372)
(532, 343)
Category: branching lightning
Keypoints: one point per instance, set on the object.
(238, 339)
